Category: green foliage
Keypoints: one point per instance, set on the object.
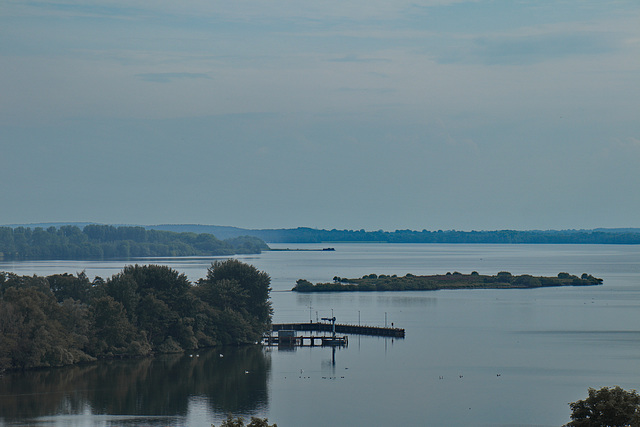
(69, 286)
(504, 276)
(527, 281)
(239, 422)
(36, 330)
(303, 285)
(106, 241)
(247, 245)
(455, 280)
(607, 407)
(255, 283)
(65, 319)
(112, 334)
(240, 294)
(590, 278)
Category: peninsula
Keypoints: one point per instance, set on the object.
(96, 241)
(455, 280)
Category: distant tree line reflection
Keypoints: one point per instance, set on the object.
(164, 385)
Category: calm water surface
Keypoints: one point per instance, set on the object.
(470, 357)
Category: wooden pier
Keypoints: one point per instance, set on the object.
(305, 341)
(340, 328)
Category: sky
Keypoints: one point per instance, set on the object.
(360, 114)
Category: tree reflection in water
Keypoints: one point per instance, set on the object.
(160, 386)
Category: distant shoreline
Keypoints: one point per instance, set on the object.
(307, 235)
(69, 242)
(301, 250)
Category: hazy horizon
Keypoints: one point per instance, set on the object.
(435, 114)
(83, 223)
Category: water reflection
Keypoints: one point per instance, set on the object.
(410, 300)
(228, 380)
(367, 299)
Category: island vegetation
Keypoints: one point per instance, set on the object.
(455, 280)
(64, 319)
(106, 241)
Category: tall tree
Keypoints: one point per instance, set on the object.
(256, 284)
(607, 407)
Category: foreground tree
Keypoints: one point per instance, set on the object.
(240, 294)
(607, 407)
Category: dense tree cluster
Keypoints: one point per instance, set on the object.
(106, 241)
(455, 280)
(64, 319)
(607, 407)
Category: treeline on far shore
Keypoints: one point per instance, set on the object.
(106, 241)
(64, 319)
(455, 280)
(309, 235)
(313, 235)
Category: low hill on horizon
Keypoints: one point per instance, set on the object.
(313, 235)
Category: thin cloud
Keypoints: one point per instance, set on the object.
(351, 57)
(170, 77)
(530, 49)
(108, 10)
(378, 90)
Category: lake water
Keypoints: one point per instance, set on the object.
(470, 357)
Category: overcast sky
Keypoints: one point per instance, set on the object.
(422, 114)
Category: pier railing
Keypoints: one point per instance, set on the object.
(340, 328)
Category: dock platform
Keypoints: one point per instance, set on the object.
(340, 328)
(305, 341)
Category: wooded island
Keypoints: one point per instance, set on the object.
(455, 280)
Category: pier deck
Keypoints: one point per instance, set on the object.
(340, 328)
(305, 341)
